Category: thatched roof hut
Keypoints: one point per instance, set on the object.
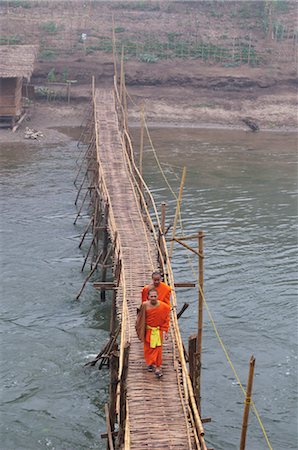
(16, 63)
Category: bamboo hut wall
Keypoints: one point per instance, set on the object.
(10, 97)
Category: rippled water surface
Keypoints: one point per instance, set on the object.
(241, 190)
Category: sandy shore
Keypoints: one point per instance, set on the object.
(161, 111)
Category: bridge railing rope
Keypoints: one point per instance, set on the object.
(154, 226)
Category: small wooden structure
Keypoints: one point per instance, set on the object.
(16, 64)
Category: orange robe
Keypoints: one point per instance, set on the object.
(163, 291)
(156, 317)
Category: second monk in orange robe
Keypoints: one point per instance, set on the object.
(163, 290)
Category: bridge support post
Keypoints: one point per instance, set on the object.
(123, 394)
(200, 313)
(247, 402)
(105, 251)
(114, 367)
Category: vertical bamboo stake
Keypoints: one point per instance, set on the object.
(162, 253)
(105, 250)
(114, 50)
(125, 121)
(192, 345)
(247, 402)
(177, 211)
(141, 150)
(121, 75)
(93, 86)
(163, 217)
(200, 311)
(114, 367)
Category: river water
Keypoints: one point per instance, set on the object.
(241, 190)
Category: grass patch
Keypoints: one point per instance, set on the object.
(10, 40)
(19, 4)
(49, 27)
(119, 30)
(137, 6)
(148, 58)
(47, 54)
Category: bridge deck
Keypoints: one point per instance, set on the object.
(156, 408)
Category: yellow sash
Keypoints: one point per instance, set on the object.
(155, 340)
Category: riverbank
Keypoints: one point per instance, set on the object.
(164, 107)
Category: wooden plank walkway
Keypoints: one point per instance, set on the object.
(157, 410)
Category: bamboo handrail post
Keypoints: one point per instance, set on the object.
(81, 207)
(192, 345)
(200, 312)
(86, 231)
(247, 402)
(122, 401)
(163, 217)
(177, 210)
(105, 251)
(114, 365)
(114, 48)
(141, 153)
(88, 277)
(110, 445)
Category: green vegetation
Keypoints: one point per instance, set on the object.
(51, 75)
(47, 54)
(49, 27)
(65, 74)
(119, 30)
(147, 57)
(10, 40)
(19, 3)
(139, 6)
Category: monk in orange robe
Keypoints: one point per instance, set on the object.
(157, 323)
(163, 290)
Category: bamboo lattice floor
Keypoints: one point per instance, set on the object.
(156, 408)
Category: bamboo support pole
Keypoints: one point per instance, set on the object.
(247, 402)
(141, 151)
(81, 207)
(114, 366)
(186, 246)
(161, 235)
(184, 308)
(114, 48)
(88, 277)
(87, 254)
(192, 345)
(200, 313)
(177, 211)
(109, 430)
(105, 251)
(121, 80)
(163, 217)
(86, 231)
(123, 392)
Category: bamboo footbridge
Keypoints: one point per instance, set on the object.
(143, 412)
